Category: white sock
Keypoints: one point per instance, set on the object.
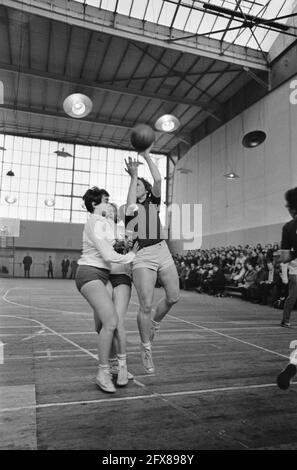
(156, 324)
(122, 359)
(113, 360)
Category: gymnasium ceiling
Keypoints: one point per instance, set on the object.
(136, 60)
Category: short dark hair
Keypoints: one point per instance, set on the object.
(147, 185)
(291, 198)
(93, 195)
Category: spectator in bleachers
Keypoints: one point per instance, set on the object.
(247, 281)
(238, 273)
(261, 276)
(271, 286)
(207, 282)
(201, 277)
(218, 281)
(253, 257)
(240, 258)
(191, 277)
(183, 274)
(229, 264)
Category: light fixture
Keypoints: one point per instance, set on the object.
(253, 139)
(10, 173)
(49, 201)
(62, 153)
(167, 123)
(231, 175)
(10, 199)
(77, 105)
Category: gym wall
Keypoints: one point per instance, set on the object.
(44, 239)
(249, 209)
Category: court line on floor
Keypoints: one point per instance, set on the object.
(229, 336)
(67, 312)
(86, 351)
(144, 397)
(78, 333)
(137, 382)
(140, 384)
(226, 336)
(4, 297)
(56, 333)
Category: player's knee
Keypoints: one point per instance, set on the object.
(147, 308)
(111, 326)
(173, 299)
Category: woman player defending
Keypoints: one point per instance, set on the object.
(119, 286)
(153, 258)
(92, 276)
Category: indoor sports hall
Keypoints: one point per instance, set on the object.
(197, 102)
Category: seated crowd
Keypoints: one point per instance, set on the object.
(249, 271)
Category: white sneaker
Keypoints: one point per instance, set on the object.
(114, 370)
(122, 379)
(293, 357)
(147, 359)
(153, 330)
(104, 380)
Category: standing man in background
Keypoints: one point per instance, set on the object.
(73, 268)
(65, 266)
(27, 261)
(50, 271)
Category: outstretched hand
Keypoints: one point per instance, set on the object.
(135, 247)
(132, 167)
(146, 152)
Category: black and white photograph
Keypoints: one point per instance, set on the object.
(148, 230)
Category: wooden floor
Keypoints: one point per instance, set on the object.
(214, 388)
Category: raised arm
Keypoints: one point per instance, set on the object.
(132, 170)
(156, 190)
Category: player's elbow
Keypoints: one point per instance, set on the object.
(158, 180)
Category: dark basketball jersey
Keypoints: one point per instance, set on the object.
(289, 237)
(145, 222)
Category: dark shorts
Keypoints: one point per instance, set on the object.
(118, 279)
(86, 274)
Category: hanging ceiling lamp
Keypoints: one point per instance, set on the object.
(50, 201)
(10, 199)
(253, 139)
(62, 153)
(167, 123)
(77, 105)
(231, 175)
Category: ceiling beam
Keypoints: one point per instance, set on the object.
(108, 22)
(106, 88)
(50, 114)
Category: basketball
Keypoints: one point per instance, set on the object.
(142, 136)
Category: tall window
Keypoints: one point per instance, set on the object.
(40, 173)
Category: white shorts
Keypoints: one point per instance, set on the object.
(156, 257)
